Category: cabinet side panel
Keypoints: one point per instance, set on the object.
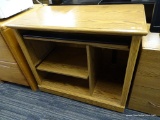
(134, 48)
(27, 55)
(19, 56)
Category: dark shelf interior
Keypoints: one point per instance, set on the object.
(79, 37)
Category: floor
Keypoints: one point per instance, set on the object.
(21, 103)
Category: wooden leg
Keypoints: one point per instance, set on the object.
(134, 48)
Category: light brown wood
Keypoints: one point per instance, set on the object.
(144, 106)
(38, 51)
(14, 67)
(71, 84)
(145, 99)
(5, 54)
(4, 22)
(148, 69)
(109, 46)
(10, 72)
(104, 99)
(91, 68)
(66, 61)
(108, 89)
(102, 19)
(27, 56)
(135, 44)
(19, 57)
(145, 93)
(108, 92)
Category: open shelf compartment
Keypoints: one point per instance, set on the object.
(109, 72)
(84, 72)
(69, 61)
(109, 80)
(78, 89)
(62, 83)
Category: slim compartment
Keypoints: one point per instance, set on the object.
(109, 69)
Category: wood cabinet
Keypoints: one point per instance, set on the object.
(145, 93)
(9, 69)
(69, 50)
(13, 65)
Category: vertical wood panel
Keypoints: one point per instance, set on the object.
(26, 54)
(91, 68)
(18, 55)
(135, 44)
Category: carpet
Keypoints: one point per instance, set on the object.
(21, 103)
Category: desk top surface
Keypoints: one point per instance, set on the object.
(104, 19)
(3, 22)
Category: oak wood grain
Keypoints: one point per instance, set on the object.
(122, 20)
(27, 56)
(145, 99)
(100, 96)
(145, 93)
(66, 61)
(5, 54)
(14, 67)
(19, 57)
(102, 19)
(10, 72)
(4, 22)
(133, 53)
(9, 69)
(38, 51)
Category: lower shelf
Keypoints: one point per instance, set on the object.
(107, 91)
(106, 94)
(66, 84)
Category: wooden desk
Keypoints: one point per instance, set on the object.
(62, 44)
